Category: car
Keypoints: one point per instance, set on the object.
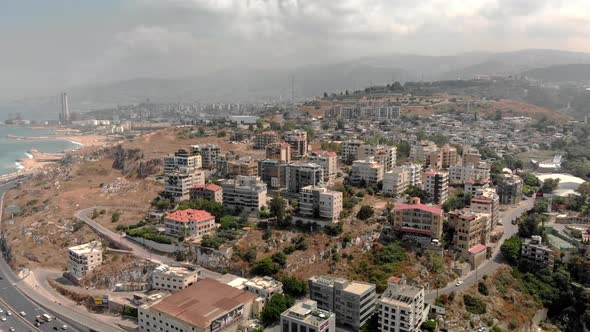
(22, 313)
(64, 327)
(37, 324)
(8, 313)
(459, 283)
(11, 329)
(1, 311)
(3, 318)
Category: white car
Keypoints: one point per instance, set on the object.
(11, 329)
(64, 327)
(1, 311)
(3, 319)
(22, 313)
(459, 283)
(9, 313)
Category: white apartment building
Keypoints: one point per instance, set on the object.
(421, 150)
(177, 185)
(305, 316)
(244, 193)
(487, 201)
(459, 174)
(189, 223)
(367, 171)
(386, 155)
(320, 204)
(209, 154)
(302, 174)
(264, 287)
(415, 173)
(182, 161)
(84, 258)
(436, 184)
(173, 278)
(328, 161)
(396, 181)
(401, 307)
(349, 150)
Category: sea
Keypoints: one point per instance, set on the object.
(12, 149)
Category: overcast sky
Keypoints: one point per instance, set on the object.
(50, 45)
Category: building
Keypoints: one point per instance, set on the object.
(189, 223)
(244, 194)
(353, 302)
(415, 172)
(487, 201)
(269, 172)
(177, 185)
(206, 306)
(279, 151)
(509, 188)
(396, 181)
(366, 111)
(302, 174)
(210, 192)
(264, 139)
(64, 116)
(84, 258)
(182, 161)
(306, 316)
(472, 186)
(421, 221)
(471, 229)
(459, 174)
(297, 139)
(386, 155)
(535, 255)
(367, 172)
(421, 150)
(245, 167)
(173, 278)
(401, 307)
(449, 156)
(436, 184)
(209, 154)
(471, 155)
(349, 150)
(320, 204)
(264, 287)
(328, 161)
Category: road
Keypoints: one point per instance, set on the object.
(496, 260)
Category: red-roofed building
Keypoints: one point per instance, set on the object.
(418, 219)
(189, 223)
(210, 192)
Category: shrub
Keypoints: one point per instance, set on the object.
(474, 304)
(365, 212)
(116, 216)
(482, 288)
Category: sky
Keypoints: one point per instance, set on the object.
(48, 46)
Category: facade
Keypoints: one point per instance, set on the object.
(368, 171)
(209, 154)
(471, 230)
(84, 258)
(396, 181)
(279, 151)
(349, 150)
(415, 173)
(509, 188)
(320, 203)
(269, 172)
(177, 185)
(487, 201)
(329, 162)
(297, 139)
(386, 155)
(436, 184)
(353, 302)
(264, 287)
(172, 278)
(366, 110)
(182, 161)
(421, 150)
(472, 186)
(418, 219)
(264, 139)
(206, 306)
(460, 174)
(302, 174)
(401, 307)
(189, 223)
(449, 156)
(535, 254)
(471, 155)
(306, 316)
(245, 167)
(210, 192)
(244, 193)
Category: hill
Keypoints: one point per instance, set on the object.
(561, 73)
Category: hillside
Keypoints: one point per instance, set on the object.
(561, 73)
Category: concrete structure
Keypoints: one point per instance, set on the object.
(471, 155)
(459, 174)
(419, 220)
(349, 150)
(305, 316)
(535, 255)
(173, 278)
(509, 188)
(177, 185)
(84, 258)
(386, 155)
(365, 111)
(207, 306)
(268, 171)
(471, 229)
(264, 139)
(64, 116)
(245, 167)
(279, 151)
(189, 223)
(320, 204)
(396, 181)
(209, 154)
(472, 186)
(297, 139)
(449, 156)
(264, 287)
(401, 307)
(487, 201)
(436, 184)
(421, 150)
(415, 173)
(244, 193)
(182, 161)
(210, 192)
(353, 302)
(328, 161)
(368, 171)
(302, 174)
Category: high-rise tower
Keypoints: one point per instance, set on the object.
(64, 117)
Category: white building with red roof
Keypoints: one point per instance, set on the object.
(418, 219)
(189, 223)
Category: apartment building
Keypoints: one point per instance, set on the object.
(269, 172)
(210, 192)
(177, 185)
(297, 139)
(487, 201)
(264, 288)
(420, 150)
(369, 111)
(471, 155)
(182, 161)
(401, 307)
(209, 154)
(471, 229)
(349, 150)
(509, 188)
(84, 258)
(418, 220)
(535, 255)
(386, 155)
(306, 316)
(173, 278)
(436, 184)
(353, 302)
(302, 174)
(449, 156)
(472, 186)
(206, 306)
(244, 193)
(189, 223)
(396, 182)
(415, 172)
(329, 162)
(263, 139)
(321, 204)
(279, 151)
(367, 171)
(245, 167)
(459, 174)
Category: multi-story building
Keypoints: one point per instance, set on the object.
(401, 307)
(509, 188)
(279, 151)
(320, 204)
(244, 193)
(415, 172)
(264, 139)
(245, 167)
(353, 302)
(264, 287)
(471, 155)
(209, 154)
(189, 223)
(471, 230)
(349, 150)
(418, 220)
(421, 150)
(173, 278)
(487, 201)
(303, 174)
(436, 184)
(449, 156)
(306, 316)
(210, 192)
(396, 181)
(386, 155)
(367, 171)
(459, 174)
(206, 306)
(328, 160)
(368, 111)
(177, 185)
(535, 255)
(182, 161)
(84, 258)
(269, 172)
(297, 139)
(472, 186)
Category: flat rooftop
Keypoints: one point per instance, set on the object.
(87, 248)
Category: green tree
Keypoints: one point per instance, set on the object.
(260, 123)
(511, 249)
(549, 185)
(474, 304)
(293, 286)
(415, 191)
(531, 224)
(116, 216)
(250, 255)
(163, 204)
(280, 258)
(584, 190)
(428, 326)
(278, 209)
(265, 267)
(530, 180)
(272, 311)
(365, 212)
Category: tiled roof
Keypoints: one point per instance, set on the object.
(190, 215)
(209, 186)
(477, 249)
(423, 207)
